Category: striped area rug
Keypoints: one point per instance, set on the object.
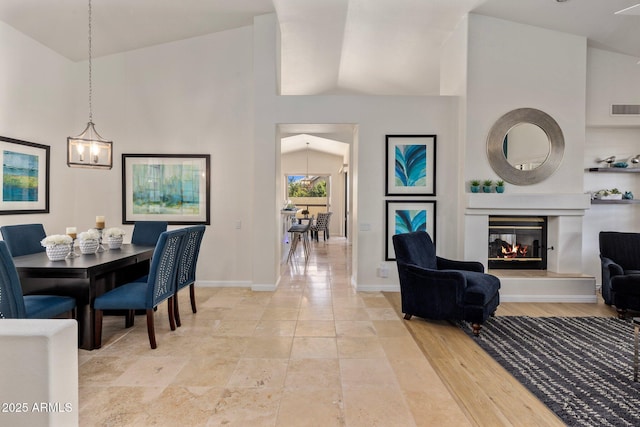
(580, 367)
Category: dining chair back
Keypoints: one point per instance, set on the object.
(321, 224)
(13, 305)
(23, 239)
(147, 232)
(160, 286)
(187, 266)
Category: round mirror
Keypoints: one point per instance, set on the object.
(525, 146)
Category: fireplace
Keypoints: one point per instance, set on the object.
(518, 242)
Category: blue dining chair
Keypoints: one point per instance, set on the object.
(160, 286)
(147, 232)
(13, 305)
(187, 266)
(23, 239)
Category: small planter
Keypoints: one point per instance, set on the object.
(486, 188)
(475, 188)
(88, 246)
(58, 252)
(114, 242)
(499, 188)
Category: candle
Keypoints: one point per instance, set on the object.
(71, 232)
(100, 222)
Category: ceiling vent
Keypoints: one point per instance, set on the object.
(625, 110)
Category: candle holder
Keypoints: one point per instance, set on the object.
(72, 253)
(101, 247)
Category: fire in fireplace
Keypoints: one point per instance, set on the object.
(518, 242)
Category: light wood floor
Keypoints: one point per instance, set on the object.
(489, 395)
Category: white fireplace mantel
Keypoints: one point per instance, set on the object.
(527, 204)
(564, 241)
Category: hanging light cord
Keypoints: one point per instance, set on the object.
(90, 65)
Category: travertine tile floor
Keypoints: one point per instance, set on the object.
(312, 353)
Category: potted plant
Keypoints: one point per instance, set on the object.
(500, 186)
(114, 236)
(57, 246)
(613, 194)
(486, 185)
(475, 186)
(305, 213)
(88, 241)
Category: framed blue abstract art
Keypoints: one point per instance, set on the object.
(24, 177)
(166, 187)
(405, 216)
(410, 165)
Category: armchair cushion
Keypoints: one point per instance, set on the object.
(480, 287)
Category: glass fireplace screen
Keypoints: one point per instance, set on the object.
(517, 242)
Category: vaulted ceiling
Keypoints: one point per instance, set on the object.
(328, 46)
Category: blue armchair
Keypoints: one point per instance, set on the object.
(620, 263)
(437, 288)
(187, 267)
(147, 232)
(160, 286)
(23, 239)
(13, 305)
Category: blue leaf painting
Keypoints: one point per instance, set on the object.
(411, 165)
(410, 220)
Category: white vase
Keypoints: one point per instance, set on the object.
(88, 246)
(58, 252)
(114, 242)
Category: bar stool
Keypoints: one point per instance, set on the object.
(299, 232)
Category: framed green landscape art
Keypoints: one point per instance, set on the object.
(406, 216)
(25, 177)
(410, 165)
(166, 187)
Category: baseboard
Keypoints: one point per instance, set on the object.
(393, 287)
(549, 298)
(223, 284)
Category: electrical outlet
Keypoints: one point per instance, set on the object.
(383, 271)
(238, 225)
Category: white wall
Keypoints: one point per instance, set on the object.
(188, 97)
(37, 92)
(191, 96)
(513, 66)
(612, 78)
(374, 116)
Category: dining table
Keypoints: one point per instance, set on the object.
(84, 277)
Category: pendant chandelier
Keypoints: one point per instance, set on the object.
(89, 149)
(306, 182)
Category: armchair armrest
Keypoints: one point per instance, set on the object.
(432, 285)
(611, 267)
(449, 264)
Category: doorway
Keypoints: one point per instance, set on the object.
(315, 160)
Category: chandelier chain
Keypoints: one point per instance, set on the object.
(90, 66)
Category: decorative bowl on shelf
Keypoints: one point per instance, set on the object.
(620, 165)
